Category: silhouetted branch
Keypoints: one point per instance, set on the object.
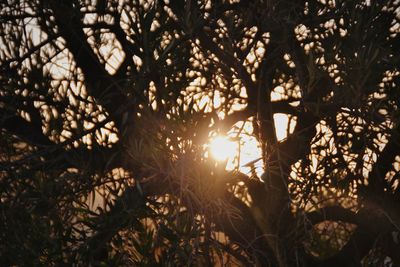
(99, 83)
(28, 131)
(333, 213)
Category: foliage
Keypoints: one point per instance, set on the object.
(106, 108)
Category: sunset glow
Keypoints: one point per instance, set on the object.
(222, 148)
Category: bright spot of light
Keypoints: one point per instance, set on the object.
(284, 125)
(222, 148)
(239, 149)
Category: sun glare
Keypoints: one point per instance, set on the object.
(222, 148)
(244, 154)
(241, 152)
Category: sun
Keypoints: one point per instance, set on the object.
(222, 148)
(240, 150)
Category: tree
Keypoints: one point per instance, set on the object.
(106, 108)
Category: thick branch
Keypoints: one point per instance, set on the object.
(363, 238)
(31, 132)
(99, 83)
(354, 251)
(334, 213)
(385, 162)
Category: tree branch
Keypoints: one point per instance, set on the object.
(100, 84)
(30, 132)
(333, 213)
(354, 251)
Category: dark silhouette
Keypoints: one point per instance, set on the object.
(105, 107)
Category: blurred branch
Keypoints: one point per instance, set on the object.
(28, 131)
(332, 213)
(8, 17)
(353, 252)
(363, 238)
